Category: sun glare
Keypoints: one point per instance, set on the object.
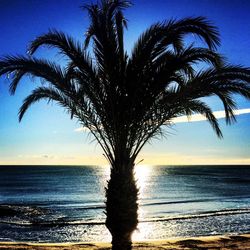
(142, 173)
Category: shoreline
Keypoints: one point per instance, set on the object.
(225, 242)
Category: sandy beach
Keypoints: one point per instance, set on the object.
(209, 242)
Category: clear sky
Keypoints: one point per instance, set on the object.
(48, 136)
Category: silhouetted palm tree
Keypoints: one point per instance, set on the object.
(126, 100)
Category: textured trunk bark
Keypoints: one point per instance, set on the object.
(121, 206)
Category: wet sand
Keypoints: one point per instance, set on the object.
(239, 242)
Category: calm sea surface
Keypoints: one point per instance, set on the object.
(66, 204)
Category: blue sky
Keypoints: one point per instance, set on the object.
(48, 136)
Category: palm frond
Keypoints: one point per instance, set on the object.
(20, 65)
(194, 54)
(16, 78)
(199, 26)
(197, 106)
(159, 36)
(69, 47)
(41, 93)
(65, 43)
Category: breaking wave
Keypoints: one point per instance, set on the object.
(34, 216)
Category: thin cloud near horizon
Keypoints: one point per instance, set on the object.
(193, 118)
(218, 114)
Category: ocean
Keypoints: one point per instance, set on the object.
(66, 203)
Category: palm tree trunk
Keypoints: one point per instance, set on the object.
(121, 206)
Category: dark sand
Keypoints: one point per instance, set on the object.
(240, 242)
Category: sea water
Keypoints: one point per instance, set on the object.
(67, 203)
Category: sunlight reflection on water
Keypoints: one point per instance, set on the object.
(142, 175)
(173, 202)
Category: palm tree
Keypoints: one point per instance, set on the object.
(126, 100)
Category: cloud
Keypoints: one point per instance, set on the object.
(33, 156)
(193, 118)
(218, 114)
(85, 129)
(81, 129)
